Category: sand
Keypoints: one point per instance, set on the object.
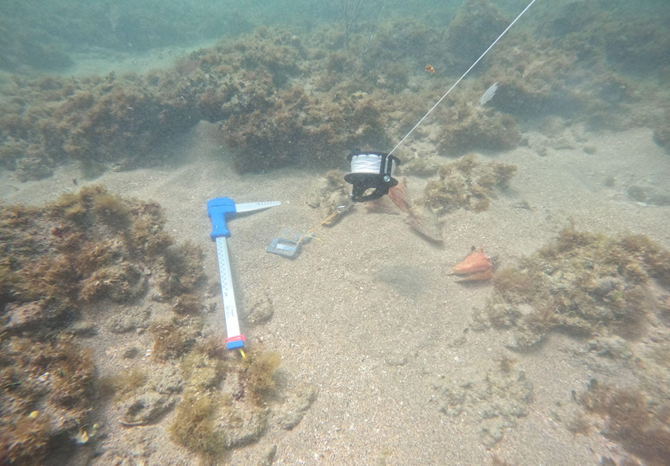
(369, 315)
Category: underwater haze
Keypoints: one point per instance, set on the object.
(502, 297)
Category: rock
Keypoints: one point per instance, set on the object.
(329, 193)
(206, 373)
(496, 400)
(241, 425)
(459, 341)
(637, 193)
(605, 285)
(649, 195)
(662, 135)
(293, 410)
(165, 379)
(82, 328)
(25, 316)
(129, 319)
(259, 310)
(491, 434)
(395, 360)
(147, 408)
(613, 347)
(267, 455)
(34, 315)
(131, 352)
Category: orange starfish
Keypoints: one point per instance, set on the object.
(475, 267)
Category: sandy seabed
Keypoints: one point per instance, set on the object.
(369, 314)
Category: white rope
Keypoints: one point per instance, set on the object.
(461, 78)
(366, 163)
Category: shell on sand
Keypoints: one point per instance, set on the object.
(425, 223)
(480, 276)
(475, 263)
(398, 194)
(381, 206)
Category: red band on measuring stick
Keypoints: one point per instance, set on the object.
(235, 342)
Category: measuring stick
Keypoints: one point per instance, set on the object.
(220, 209)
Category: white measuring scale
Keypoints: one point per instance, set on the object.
(220, 209)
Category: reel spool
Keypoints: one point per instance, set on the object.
(371, 174)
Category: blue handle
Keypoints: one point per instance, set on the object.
(218, 210)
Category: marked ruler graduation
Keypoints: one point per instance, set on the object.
(219, 210)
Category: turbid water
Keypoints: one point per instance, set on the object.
(365, 348)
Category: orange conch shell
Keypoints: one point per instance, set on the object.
(476, 277)
(476, 266)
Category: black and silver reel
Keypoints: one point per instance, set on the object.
(371, 174)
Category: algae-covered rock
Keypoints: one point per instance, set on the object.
(57, 266)
(227, 400)
(311, 129)
(420, 167)
(330, 194)
(471, 128)
(633, 418)
(584, 283)
(475, 26)
(466, 184)
(47, 395)
(33, 168)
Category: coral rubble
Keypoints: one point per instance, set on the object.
(496, 401)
